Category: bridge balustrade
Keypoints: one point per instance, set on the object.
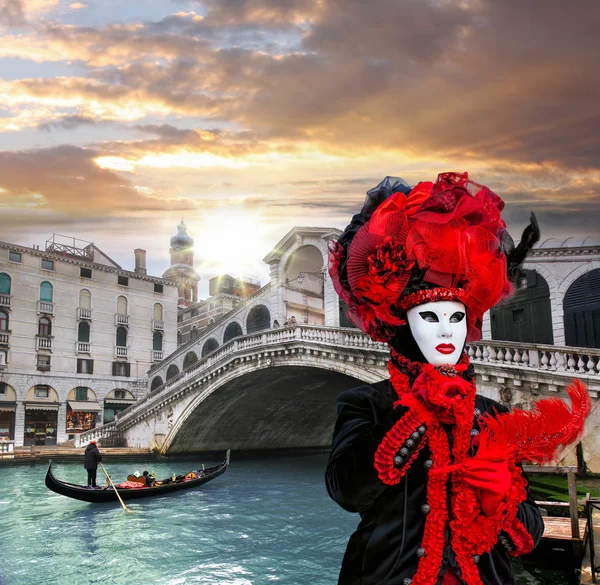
(545, 358)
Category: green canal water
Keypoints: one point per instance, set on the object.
(266, 520)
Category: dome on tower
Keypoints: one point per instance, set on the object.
(182, 240)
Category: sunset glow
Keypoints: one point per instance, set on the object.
(251, 117)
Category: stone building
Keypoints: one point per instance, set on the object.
(77, 335)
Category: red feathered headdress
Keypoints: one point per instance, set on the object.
(445, 238)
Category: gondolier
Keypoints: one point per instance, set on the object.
(90, 462)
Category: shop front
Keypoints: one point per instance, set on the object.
(81, 416)
(7, 421)
(41, 422)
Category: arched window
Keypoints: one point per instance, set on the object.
(156, 382)
(179, 338)
(45, 326)
(172, 371)
(46, 291)
(83, 332)
(122, 305)
(258, 319)
(581, 307)
(85, 299)
(121, 337)
(232, 330)
(4, 284)
(209, 346)
(3, 321)
(189, 359)
(157, 341)
(158, 312)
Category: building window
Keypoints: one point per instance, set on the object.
(157, 340)
(158, 288)
(85, 299)
(4, 284)
(122, 305)
(3, 321)
(2, 387)
(46, 292)
(179, 338)
(41, 392)
(81, 393)
(123, 280)
(43, 362)
(158, 312)
(83, 332)
(45, 327)
(47, 264)
(120, 394)
(121, 369)
(85, 366)
(14, 256)
(85, 272)
(121, 337)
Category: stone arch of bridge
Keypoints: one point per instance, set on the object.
(288, 406)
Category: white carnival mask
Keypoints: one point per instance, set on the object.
(440, 330)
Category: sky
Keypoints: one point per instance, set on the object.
(249, 117)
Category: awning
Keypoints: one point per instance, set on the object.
(7, 406)
(84, 406)
(108, 401)
(42, 406)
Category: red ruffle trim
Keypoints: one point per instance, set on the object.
(472, 532)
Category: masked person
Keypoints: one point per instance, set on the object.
(418, 268)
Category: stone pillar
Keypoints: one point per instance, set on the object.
(486, 330)
(61, 426)
(20, 424)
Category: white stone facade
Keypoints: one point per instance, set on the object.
(560, 267)
(91, 290)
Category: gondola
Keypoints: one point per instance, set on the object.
(99, 495)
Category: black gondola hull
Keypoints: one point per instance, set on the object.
(97, 496)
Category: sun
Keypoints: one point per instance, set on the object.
(231, 241)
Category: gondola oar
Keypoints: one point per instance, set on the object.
(114, 488)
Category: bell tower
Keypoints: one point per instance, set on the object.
(182, 266)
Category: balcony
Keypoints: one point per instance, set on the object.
(157, 356)
(45, 307)
(121, 352)
(158, 325)
(43, 343)
(5, 301)
(121, 319)
(4, 337)
(83, 347)
(84, 314)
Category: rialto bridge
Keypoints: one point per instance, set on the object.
(278, 388)
(243, 384)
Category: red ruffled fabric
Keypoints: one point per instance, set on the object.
(472, 532)
(451, 230)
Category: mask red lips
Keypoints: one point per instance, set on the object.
(445, 348)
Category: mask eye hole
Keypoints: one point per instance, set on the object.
(429, 316)
(457, 317)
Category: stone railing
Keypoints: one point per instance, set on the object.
(5, 300)
(544, 358)
(270, 338)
